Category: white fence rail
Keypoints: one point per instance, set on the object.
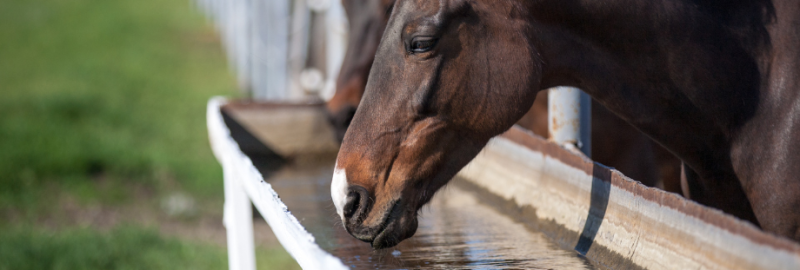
(244, 184)
(271, 47)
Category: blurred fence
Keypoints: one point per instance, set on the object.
(282, 50)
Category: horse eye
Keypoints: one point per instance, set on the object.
(420, 45)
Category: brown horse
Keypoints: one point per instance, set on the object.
(616, 143)
(367, 20)
(716, 82)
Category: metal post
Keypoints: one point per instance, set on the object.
(570, 118)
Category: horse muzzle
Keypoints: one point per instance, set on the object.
(395, 225)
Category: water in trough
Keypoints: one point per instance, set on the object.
(456, 231)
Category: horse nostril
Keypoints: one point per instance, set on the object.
(356, 203)
(351, 204)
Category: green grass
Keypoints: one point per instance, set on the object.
(106, 89)
(99, 100)
(121, 248)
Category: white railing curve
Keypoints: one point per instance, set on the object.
(245, 184)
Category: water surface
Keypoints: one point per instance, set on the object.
(455, 230)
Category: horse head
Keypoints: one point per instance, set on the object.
(448, 76)
(367, 20)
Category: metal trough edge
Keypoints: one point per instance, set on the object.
(611, 219)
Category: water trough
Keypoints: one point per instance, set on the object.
(522, 203)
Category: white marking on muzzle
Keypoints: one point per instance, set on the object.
(339, 189)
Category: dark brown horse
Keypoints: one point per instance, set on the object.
(367, 20)
(715, 82)
(616, 143)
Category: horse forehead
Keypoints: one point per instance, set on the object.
(415, 9)
(412, 15)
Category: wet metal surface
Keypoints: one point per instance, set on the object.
(455, 230)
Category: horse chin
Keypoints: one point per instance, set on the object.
(397, 226)
(395, 232)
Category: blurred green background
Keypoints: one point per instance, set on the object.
(104, 156)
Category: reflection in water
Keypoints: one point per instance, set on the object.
(455, 230)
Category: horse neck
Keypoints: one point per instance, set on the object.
(664, 66)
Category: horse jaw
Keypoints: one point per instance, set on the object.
(339, 189)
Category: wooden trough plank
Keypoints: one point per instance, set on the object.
(288, 129)
(294, 238)
(614, 220)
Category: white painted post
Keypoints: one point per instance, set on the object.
(336, 45)
(270, 53)
(570, 118)
(238, 221)
(239, 24)
(298, 44)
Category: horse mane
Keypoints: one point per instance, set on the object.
(745, 19)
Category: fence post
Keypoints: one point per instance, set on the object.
(238, 221)
(336, 45)
(269, 49)
(298, 44)
(569, 119)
